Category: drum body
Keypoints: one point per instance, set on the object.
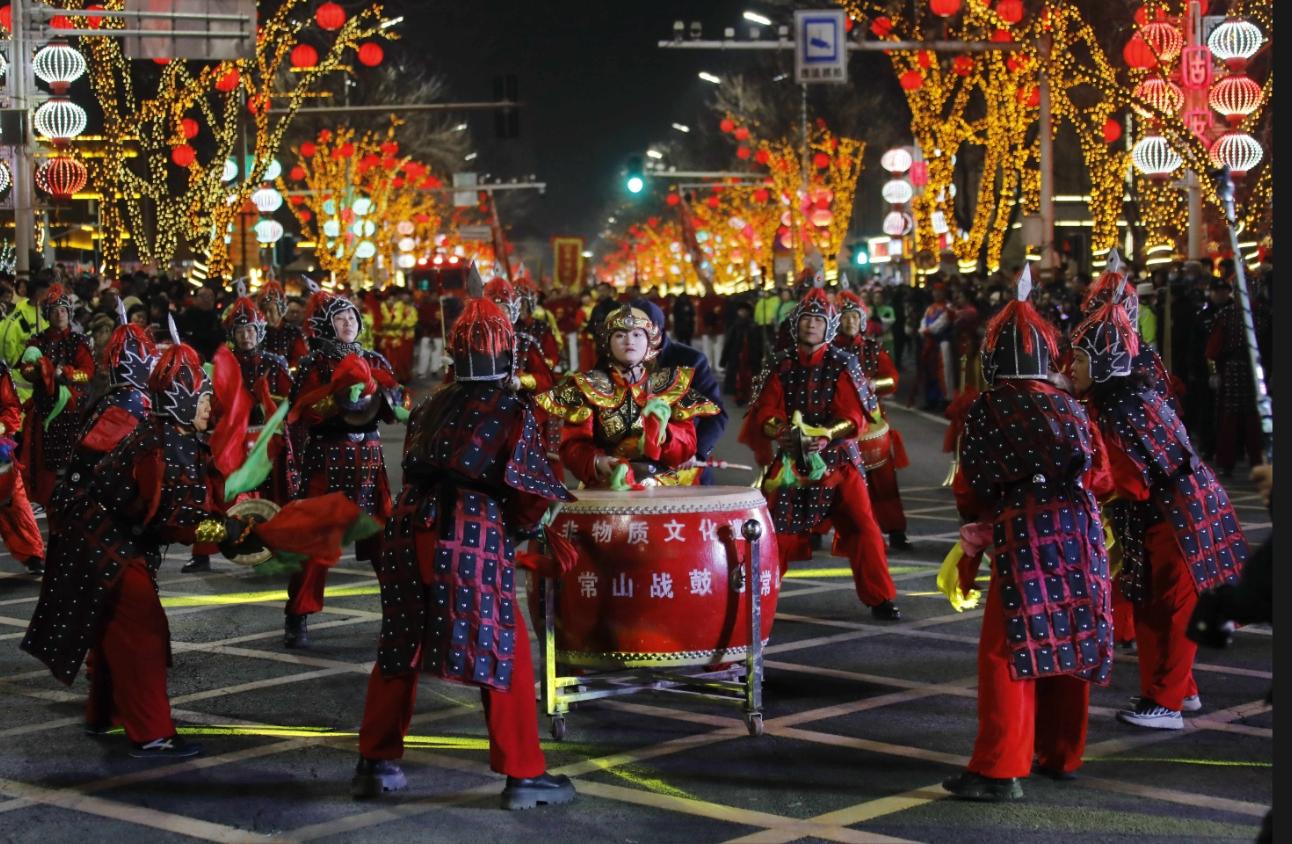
(659, 580)
(876, 446)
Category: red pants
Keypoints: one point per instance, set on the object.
(18, 526)
(857, 537)
(886, 498)
(305, 589)
(1017, 718)
(127, 667)
(1123, 617)
(511, 716)
(1237, 429)
(1165, 654)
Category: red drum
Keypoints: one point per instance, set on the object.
(876, 445)
(654, 583)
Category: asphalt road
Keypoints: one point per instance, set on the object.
(863, 721)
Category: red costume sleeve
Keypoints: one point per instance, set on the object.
(680, 444)
(537, 367)
(1126, 480)
(10, 405)
(769, 405)
(967, 503)
(112, 426)
(80, 369)
(579, 452)
(1099, 479)
(298, 350)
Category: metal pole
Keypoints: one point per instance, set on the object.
(23, 177)
(1225, 188)
(1193, 187)
(1047, 162)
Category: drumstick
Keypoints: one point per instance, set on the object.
(714, 464)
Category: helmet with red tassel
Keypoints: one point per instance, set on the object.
(481, 342)
(1019, 343)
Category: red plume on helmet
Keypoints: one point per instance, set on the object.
(242, 312)
(816, 303)
(56, 298)
(1033, 340)
(131, 354)
(1109, 340)
(501, 292)
(270, 291)
(1111, 287)
(849, 301)
(481, 342)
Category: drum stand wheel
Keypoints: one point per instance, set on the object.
(558, 727)
(754, 722)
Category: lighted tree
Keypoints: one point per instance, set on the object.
(186, 120)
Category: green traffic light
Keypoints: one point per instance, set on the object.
(635, 184)
(860, 258)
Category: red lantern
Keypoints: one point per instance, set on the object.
(330, 16)
(726, 124)
(371, 54)
(1030, 95)
(61, 177)
(189, 127)
(303, 56)
(962, 65)
(398, 181)
(1001, 36)
(228, 81)
(761, 195)
(308, 149)
(432, 182)
(325, 135)
(881, 26)
(6, 17)
(60, 22)
(911, 80)
(741, 134)
(742, 153)
(762, 156)
(924, 58)
(389, 148)
(712, 202)
(944, 8)
(258, 103)
(94, 23)
(346, 150)
(672, 199)
(297, 173)
(183, 155)
(296, 200)
(161, 61)
(1138, 54)
(847, 24)
(820, 161)
(1010, 11)
(1112, 130)
(305, 215)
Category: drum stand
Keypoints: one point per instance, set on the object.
(740, 685)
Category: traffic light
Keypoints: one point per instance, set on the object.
(859, 257)
(635, 181)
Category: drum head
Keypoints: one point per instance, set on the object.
(266, 510)
(664, 499)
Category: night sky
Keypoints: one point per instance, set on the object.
(595, 85)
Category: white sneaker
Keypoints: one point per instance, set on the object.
(1149, 714)
(1192, 703)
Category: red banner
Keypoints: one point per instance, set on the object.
(567, 261)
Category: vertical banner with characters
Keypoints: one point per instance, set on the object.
(567, 262)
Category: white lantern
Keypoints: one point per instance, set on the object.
(898, 224)
(230, 171)
(332, 228)
(407, 244)
(6, 179)
(896, 160)
(59, 120)
(1235, 41)
(267, 200)
(365, 250)
(1238, 151)
(897, 191)
(58, 65)
(362, 206)
(406, 261)
(273, 170)
(1154, 157)
(405, 227)
(363, 228)
(268, 231)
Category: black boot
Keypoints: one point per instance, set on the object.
(198, 563)
(542, 790)
(897, 541)
(970, 786)
(886, 611)
(373, 777)
(296, 631)
(35, 565)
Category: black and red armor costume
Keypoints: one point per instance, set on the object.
(61, 358)
(1177, 529)
(447, 568)
(267, 378)
(608, 412)
(881, 478)
(281, 337)
(100, 592)
(18, 527)
(341, 394)
(534, 322)
(1027, 457)
(826, 388)
(533, 370)
(1111, 285)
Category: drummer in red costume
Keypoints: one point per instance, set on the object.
(538, 323)
(281, 337)
(1028, 455)
(58, 364)
(1178, 532)
(630, 424)
(881, 478)
(100, 593)
(18, 527)
(342, 392)
(803, 425)
(447, 570)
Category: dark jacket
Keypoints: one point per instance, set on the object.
(708, 429)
